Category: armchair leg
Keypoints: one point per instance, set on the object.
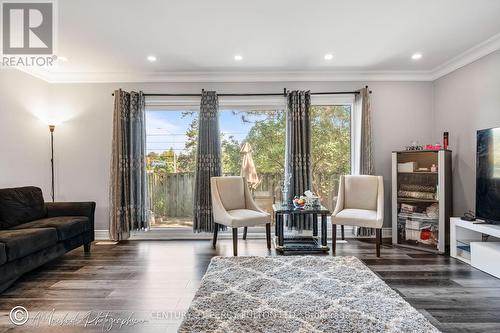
(342, 231)
(216, 231)
(245, 230)
(268, 235)
(235, 242)
(86, 248)
(378, 240)
(334, 238)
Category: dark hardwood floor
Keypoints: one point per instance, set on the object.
(156, 280)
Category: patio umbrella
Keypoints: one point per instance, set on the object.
(248, 166)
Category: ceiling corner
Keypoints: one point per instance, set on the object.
(475, 53)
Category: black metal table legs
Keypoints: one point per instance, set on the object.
(324, 235)
(305, 243)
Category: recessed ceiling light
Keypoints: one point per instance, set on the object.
(328, 56)
(416, 56)
(62, 58)
(238, 57)
(151, 58)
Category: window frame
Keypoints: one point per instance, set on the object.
(231, 103)
(347, 99)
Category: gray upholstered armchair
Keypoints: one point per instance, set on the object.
(233, 206)
(360, 203)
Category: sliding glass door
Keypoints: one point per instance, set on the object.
(171, 139)
(331, 149)
(258, 135)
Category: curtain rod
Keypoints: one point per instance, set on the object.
(284, 93)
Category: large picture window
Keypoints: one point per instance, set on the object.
(171, 154)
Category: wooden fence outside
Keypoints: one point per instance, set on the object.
(171, 194)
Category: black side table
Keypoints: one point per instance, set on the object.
(304, 243)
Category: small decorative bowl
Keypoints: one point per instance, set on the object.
(298, 204)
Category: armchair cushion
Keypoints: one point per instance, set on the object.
(247, 218)
(358, 217)
(232, 203)
(66, 226)
(360, 192)
(360, 202)
(20, 205)
(231, 192)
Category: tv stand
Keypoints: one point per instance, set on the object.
(467, 243)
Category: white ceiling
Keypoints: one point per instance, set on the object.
(112, 38)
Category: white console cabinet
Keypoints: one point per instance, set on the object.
(468, 244)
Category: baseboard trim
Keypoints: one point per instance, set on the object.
(101, 234)
(183, 233)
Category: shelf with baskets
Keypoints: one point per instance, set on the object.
(421, 199)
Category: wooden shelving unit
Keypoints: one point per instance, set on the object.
(417, 230)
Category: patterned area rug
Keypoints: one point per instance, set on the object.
(298, 294)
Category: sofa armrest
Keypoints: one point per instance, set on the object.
(70, 209)
(86, 209)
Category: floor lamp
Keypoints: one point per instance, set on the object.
(51, 129)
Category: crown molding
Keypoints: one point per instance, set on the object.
(473, 54)
(201, 77)
(483, 49)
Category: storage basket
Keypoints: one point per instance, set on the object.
(412, 230)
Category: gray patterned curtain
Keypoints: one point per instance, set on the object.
(362, 101)
(128, 191)
(208, 161)
(363, 109)
(298, 161)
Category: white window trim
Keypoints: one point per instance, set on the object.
(332, 99)
(225, 103)
(355, 139)
(172, 104)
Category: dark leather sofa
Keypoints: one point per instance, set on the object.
(33, 232)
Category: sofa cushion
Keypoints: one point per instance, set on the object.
(22, 242)
(66, 226)
(3, 254)
(20, 205)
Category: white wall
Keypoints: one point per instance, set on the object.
(465, 101)
(24, 137)
(402, 112)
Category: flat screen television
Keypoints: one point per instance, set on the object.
(488, 175)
